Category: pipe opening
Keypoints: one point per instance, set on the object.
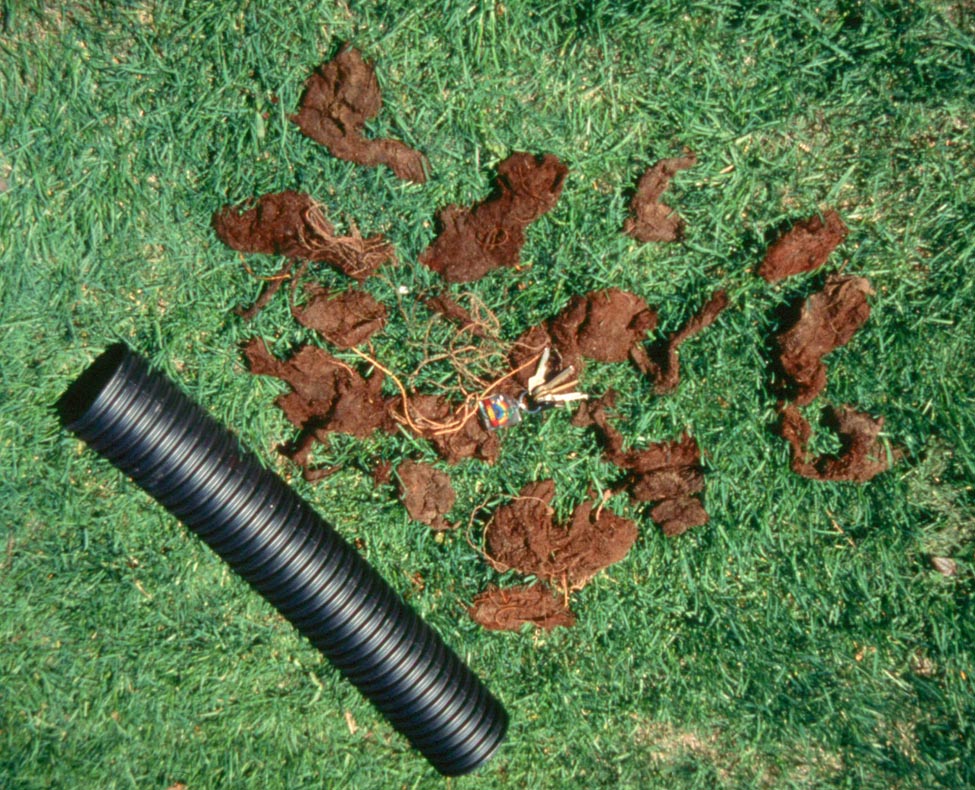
(82, 394)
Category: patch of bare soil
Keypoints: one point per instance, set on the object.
(661, 361)
(426, 493)
(804, 247)
(861, 457)
(339, 98)
(650, 220)
(668, 474)
(828, 320)
(523, 536)
(344, 318)
(474, 241)
(508, 609)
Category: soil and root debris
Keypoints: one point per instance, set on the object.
(427, 493)
(661, 361)
(523, 536)
(474, 241)
(606, 325)
(861, 457)
(327, 396)
(828, 320)
(650, 220)
(344, 318)
(668, 474)
(455, 312)
(293, 224)
(339, 98)
(804, 247)
(451, 428)
(508, 609)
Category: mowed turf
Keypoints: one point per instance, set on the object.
(802, 638)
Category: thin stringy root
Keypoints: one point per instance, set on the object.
(468, 360)
(425, 426)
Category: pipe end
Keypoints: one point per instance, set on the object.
(84, 391)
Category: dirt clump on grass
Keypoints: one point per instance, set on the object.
(667, 474)
(340, 96)
(456, 313)
(861, 456)
(661, 361)
(326, 396)
(803, 247)
(602, 325)
(828, 320)
(606, 325)
(650, 220)
(474, 241)
(523, 536)
(344, 318)
(426, 493)
(293, 224)
(451, 428)
(508, 609)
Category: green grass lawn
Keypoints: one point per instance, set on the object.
(801, 639)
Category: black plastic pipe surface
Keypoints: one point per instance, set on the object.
(144, 425)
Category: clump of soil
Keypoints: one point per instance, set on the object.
(339, 98)
(602, 325)
(651, 220)
(293, 224)
(804, 247)
(427, 493)
(327, 396)
(661, 362)
(668, 474)
(861, 456)
(474, 241)
(828, 320)
(344, 318)
(523, 536)
(606, 325)
(454, 434)
(510, 608)
(455, 312)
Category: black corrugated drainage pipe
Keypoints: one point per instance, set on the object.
(138, 419)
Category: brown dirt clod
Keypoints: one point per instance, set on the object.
(427, 493)
(508, 609)
(455, 312)
(861, 456)
(666, 473)
(605, 325)
(676, 516)
(602, 325)
(344, 318)
(522, 535)
(650, 220)
(340, 96)
(662, 362)
(804, 247)
(474, 241)
(828, 320)
(293, 224)
(471, 440)
(326, 395)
